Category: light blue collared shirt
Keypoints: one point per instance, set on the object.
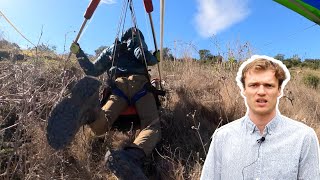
(290, 151)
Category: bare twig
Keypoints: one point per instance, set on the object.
(197, 128)
(2, 130)
(41, 32)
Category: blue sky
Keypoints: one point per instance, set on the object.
(268, 27)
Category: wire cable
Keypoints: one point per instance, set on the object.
(135, 24)
(267, 44)
(121, 23)
(252, 162)
(16, 28)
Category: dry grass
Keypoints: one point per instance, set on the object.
(199, 99)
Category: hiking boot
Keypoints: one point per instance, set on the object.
(126, 164)
(67, 116)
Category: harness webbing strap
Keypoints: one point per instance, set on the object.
(118, 92)
(139, 94)
(142, 92)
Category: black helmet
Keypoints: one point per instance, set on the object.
(130, 33)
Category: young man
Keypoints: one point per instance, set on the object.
(263, 144)
(126, 63)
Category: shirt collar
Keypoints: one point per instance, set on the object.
(270, 127)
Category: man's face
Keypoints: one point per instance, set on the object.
(261, 91)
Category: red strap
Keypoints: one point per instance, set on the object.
(131, 110)
(148, 5)
(91, 8)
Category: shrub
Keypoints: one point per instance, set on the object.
(311, 80)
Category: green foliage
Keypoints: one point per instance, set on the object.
(45, 48)
(287, 63)
(295, 61)
(312, 63)
(279, 57)
(232, 60)
(4, 44)
(4, 54)
(207, 58)
(167, 55)
(205, 54)
(311, 80)
(296, 58)
(99, 50)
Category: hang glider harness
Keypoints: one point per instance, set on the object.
(126, 3)
(111, 75)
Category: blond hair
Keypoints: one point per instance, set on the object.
(262, 64)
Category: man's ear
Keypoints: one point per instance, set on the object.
(279, 91)
(243, 93)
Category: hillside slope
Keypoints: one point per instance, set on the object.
(199, 99)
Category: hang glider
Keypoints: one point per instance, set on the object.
(307, 8)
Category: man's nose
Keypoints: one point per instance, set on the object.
(261, 90)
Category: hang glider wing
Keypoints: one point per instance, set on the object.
(307, 8)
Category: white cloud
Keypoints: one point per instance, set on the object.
(108, 1)
(214, 16)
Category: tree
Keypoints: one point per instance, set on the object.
(292, 62)
(100, 49)
(295, 60)
(45, 48)
(232, 59)
(3, 43)
(296, 57)
(15, 45)
(311, 63)
(279, 57)
(6, 44)
(218, 59)
(167, 54)
(205, 54)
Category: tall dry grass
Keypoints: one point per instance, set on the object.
(199, 99)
